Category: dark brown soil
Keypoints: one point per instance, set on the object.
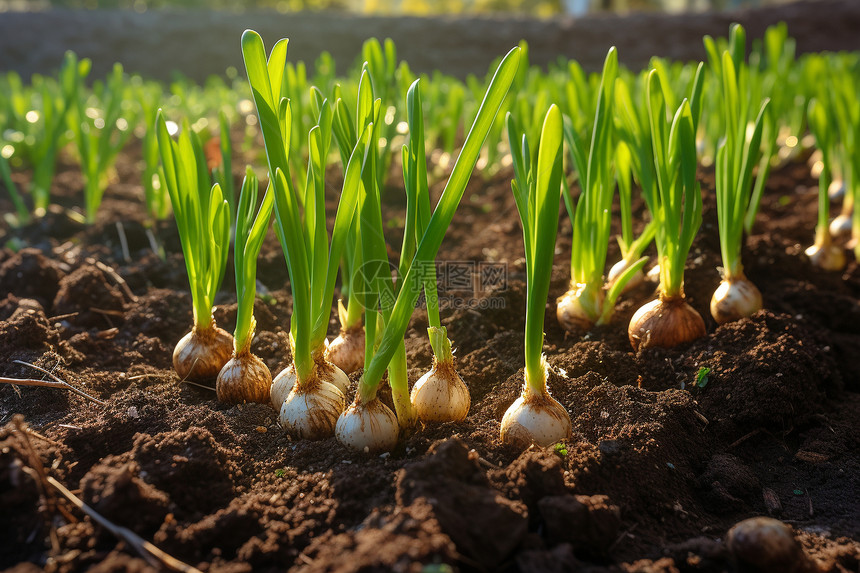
(657, 471)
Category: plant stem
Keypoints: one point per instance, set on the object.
(440, 344)
(399, 382)
(823, 204)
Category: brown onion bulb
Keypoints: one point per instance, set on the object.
(734, 299)
(765, 544)
(245, 378)
(665, 322)
(347, 350)
(201, 354)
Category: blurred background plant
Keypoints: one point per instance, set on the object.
(540, 8)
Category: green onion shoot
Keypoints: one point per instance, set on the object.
(346, 351)
(309, 394)
(586, 302)
(100, 134)
(669, 320)
(246, 378)
(633, 160)
(737, 155)
(631, 247)
(536, 417)
(368, 424)
(374, 423)
(440, 395)
(847, 114)
(203, 219)
(823, 253)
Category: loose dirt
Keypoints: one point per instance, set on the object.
(658, 468)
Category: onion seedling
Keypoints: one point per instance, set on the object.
(823, 253)
(38, 125)
(737, 155)
(589, 301)
(155, 195)
(366, 425)
(631, 247)
(203, 219)
(536, 417)
(23, 214)
(771, 75)
(100, 134)
(632, 156)
(309, 394)
(223, 172)
(246, 378)
(846, 112)
(380, 67)
(365, 279)
(376, 422)
(669, 320)
(440, 395)
(346, 351)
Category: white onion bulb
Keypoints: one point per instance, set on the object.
(836, 189)
(535, 417)
(347, 350)
(283, 383)
(245, 378)
(827, 256)
(841, 225)
(368, 427)
(541, 420)
(578, 309)
(735, 299)
(312, 413)
(441, 395)
(618, 269)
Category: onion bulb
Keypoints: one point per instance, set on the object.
(836, 189)
(618, 269)
(653, 274)
(311, 411)
(347, 350)
(535, 418)
(579, 308)
(765, 544)
(441, 395)
(245, 378)
(736, 297)
(841, 226)
(283, 383)
(665, 322)
(827, 256)
(368, 427)
(201, 354)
